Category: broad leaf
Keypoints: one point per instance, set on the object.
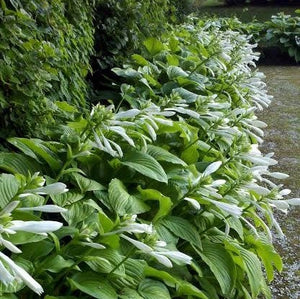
(153, 289)
(86, 184)
(9, 187)
(34, 148)
(146, 165)
(183, 229)
(153, 45)
(18, 163)
(77, 212)
(121, 202)
(220, 263)
(174, 71)
(94, 285)
(160, 154)
(165, 202)
(57, 264)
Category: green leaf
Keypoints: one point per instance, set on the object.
(175, 71)
(182, 228)
(140, 59)
(165, 202)
(268, 256)
(129, 294)
(43, 249)
(146, 165)
(66, 107)
(250, 263)
(153, 45)
(9, 187)
(191, 154)
(188, 289)
(94, 285)
(77, 212)
(67, 198)
(220, 263)
(183, 288)
(99, 264)
(18, 163)
(57, 264)
(253, 269)
(153, 289)
(188, 96)
(173, 60)
(86, 184)
(35, 149)
(174, 44)
(128, 73)
(121, 202)
(160, 154)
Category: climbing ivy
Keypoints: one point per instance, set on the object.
(45, 50)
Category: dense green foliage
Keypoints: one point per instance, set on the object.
(169, 196)
(121, 25)
(45, 51)
(282, 31)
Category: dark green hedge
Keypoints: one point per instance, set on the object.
(45, 50)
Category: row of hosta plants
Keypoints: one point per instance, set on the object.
(281, 31)
(162, 193)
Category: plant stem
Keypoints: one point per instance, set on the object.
(130, 252)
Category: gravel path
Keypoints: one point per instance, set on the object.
(282, 136)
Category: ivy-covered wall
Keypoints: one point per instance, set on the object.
(45, 50)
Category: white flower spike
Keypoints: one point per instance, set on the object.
(22, 274)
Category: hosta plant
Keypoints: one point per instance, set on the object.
(169, 195)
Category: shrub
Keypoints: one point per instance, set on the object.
(45, 50)
(168, 196)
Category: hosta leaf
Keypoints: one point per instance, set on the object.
(250, 263)
(183, 229)
(9, 187)
(146, 165)
(188, 96)
(129, 294)
(77, 212)
(186, 288)
(153, 45)
(160, 154)
(140, 59)
(129, 73)
(220, 263)
(34, 148)
(67, 198)
(57, 264)
(135, 269)
(183, 288)
(153, 289)
(122, 202)
(253, 269)
(86, 184)
(268, 256)
(94, 285)
(165, 202)
(99, 264)
(174, 71)
(18, 163)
